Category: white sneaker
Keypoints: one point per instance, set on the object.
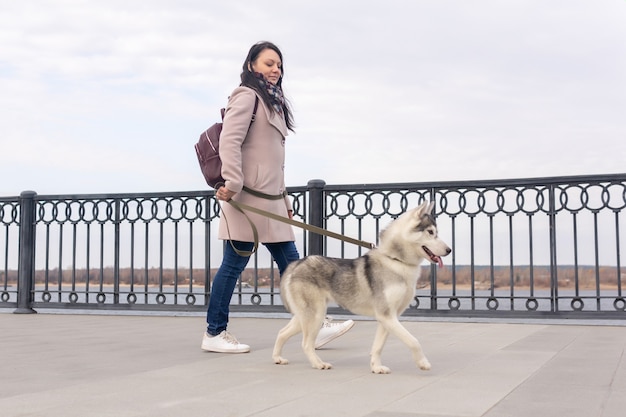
(223, 343)
(330, 331)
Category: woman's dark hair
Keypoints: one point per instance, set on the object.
(249, 80)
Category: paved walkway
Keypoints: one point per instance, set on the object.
(129, 365)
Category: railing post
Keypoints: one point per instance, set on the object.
(116, 254)
(554, 299)
(26, 268)
(316, 215)
(433, 268)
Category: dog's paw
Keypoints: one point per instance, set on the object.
(278, 360)
(380, 369)
(322, 366)
(424, 365)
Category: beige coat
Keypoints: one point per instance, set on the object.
(256, 160)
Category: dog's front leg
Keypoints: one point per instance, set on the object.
(377, 348)
(396, 328)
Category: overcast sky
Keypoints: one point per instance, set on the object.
(110, 96)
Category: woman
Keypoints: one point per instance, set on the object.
(253, 160)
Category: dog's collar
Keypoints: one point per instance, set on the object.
(402, 261)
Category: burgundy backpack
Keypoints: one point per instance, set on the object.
(208, 151)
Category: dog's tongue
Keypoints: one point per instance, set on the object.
(434, 258)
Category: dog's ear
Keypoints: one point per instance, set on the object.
(425, 208)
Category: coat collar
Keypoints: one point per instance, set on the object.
(275, 119)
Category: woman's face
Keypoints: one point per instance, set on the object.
(269, 65)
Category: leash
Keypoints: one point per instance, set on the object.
(314, 229)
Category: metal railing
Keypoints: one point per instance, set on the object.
(541, 247)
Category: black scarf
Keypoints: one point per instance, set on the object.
(275, 92)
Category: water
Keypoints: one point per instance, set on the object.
(461, 299)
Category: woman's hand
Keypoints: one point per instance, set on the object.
(224, 194)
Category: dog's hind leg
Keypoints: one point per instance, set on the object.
(291, 329)
(310, 329)
(377, 348)
(393, 325)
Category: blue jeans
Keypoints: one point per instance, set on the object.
(227, 275)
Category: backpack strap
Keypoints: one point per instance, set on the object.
(256, 106)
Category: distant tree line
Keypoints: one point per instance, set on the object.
(479, 276)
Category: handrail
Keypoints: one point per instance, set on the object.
(538, 247)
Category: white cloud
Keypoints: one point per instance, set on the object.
(110, 96)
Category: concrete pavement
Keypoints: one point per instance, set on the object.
(71, 365)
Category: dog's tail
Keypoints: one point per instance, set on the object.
(285, 282)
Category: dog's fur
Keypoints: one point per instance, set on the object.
(380, 284)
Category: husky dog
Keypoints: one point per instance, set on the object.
(380, 284)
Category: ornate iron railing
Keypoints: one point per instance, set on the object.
(541, 247)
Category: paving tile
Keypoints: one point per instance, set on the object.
(533, 399)
(60, 365)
